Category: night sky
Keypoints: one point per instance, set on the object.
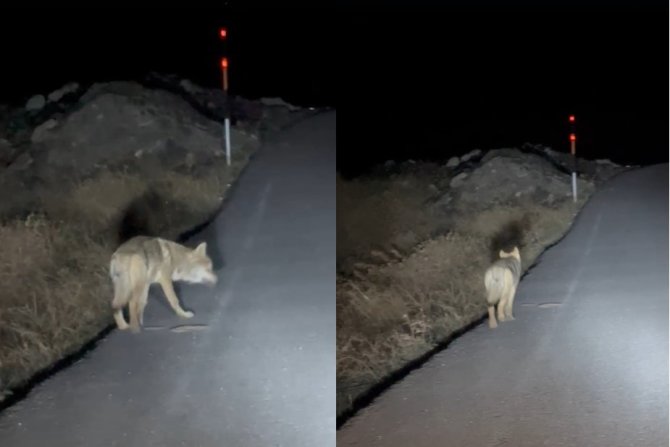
(271, 53)
(408, 85)
(431, 85)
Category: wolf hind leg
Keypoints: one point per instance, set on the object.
(120, 321)
(144, 298)
(135, 306)
(492, 318)
(510, 303)
(120, 300)
(501, 308)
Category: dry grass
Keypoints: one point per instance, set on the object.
(54, 297)
(380, 215)
(103, 198)
(53, 268)
(394, 309)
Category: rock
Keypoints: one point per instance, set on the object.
(503, 152)
(458, 180)
(470, 155)
(549, 200)
(57, 95)
(444, 201)
(274, 102)
(22, 162)
(40, 132)
(189, 86)
(121, 121)
(512, 177)
(35, 103)
(7, 151)
(453, 162)
(189, 160)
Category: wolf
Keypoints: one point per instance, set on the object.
(501, 280)
(142, 261)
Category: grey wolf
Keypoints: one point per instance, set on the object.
(142, 261)
(501, 280)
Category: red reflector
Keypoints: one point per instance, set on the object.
(224, 62)
(572, 137)
(572, 118)
(223, 33)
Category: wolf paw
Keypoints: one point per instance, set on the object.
(187, 314)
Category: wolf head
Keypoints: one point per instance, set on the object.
(196, 267)
(512, 254)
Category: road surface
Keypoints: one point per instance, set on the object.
(585, 363)
(261, 371)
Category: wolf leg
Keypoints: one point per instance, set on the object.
(166, 284)
(509, 304)
(501, 308)
(492, 317)
(134, 308)
(120, 321)
(143, 303)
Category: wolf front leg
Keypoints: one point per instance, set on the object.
(166, 285)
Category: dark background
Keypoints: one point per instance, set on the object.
(272, 53)
(434, 82)
(421, 82)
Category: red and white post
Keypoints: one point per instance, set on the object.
(223, 33)
(573, 142)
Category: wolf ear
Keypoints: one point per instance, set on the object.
(201, 249)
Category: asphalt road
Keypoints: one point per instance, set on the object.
(257, 366)
(585, 363)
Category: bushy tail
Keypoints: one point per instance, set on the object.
(510, 235)
(142, 217)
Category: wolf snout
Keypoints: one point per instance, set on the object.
(212, 279)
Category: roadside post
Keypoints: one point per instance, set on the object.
(223, 34)
(573, 143)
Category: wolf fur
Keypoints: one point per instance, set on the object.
(501, 280)
(142, 261)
